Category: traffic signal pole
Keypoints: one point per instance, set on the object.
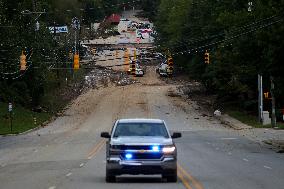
(55, 44)
(75, 47)
(260, 99)
(273, 116)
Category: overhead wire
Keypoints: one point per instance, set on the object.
(229, 38)
(221, 34)
(27, 11)
(251, 26)
(197, 49)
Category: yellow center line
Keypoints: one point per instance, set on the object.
(184, 181)
(96, 149)
(195, 182)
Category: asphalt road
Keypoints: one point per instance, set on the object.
(69, 153)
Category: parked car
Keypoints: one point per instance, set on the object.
(161, 69)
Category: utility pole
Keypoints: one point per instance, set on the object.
(75, 45)
(273, 116)
(260, 99)
(54, 33)
(34, 5)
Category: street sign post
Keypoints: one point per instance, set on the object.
(10, 109)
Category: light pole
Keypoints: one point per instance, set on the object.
(55, 44)
(260, 99)
(76, 26)
(37, 26)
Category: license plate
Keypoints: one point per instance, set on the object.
(130, 163)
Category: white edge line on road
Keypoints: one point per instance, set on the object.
(228, 138)
(69, 174)
(3, 164)
(245, 159)
(267, 167)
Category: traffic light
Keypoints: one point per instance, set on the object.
(135, 55)
(23, 61)
(133, 67)
(94, 50)
(170, 68)
(70, 56)
(266, 95)
(126, 59)
(76, 61)
(207, 57)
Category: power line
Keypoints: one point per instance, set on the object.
(228, 39)
(223, 33)
(15, 77)
(192, 50)
(26, 11)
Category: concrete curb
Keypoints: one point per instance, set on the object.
(279, 144)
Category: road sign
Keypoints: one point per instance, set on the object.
(59, 29)
(75, 23)
(10, 107)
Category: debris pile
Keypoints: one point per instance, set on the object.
(104, 77)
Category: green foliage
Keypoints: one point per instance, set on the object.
(242, 47)
(18, 34)
(22, 119)
(149, 8)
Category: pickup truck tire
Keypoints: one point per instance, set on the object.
(109, 177)
(171, 177)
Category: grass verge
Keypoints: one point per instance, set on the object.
(58, 95)
(22, 119)
(251, 120)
